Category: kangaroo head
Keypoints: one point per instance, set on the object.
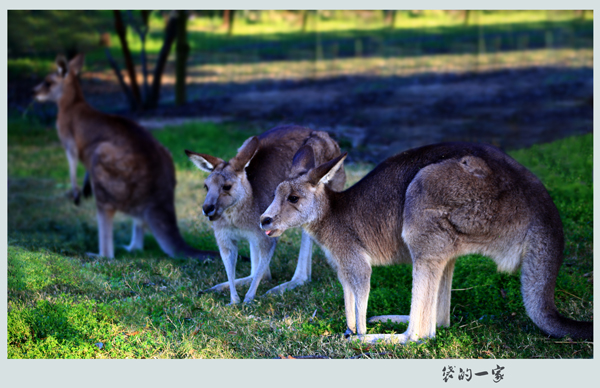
(301, 199)
(54, 84)
(227, 182)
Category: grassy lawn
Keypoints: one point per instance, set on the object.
(64, 304)
(35, 37)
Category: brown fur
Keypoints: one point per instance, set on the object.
(241, 189)
(129, 170)
(428, 206)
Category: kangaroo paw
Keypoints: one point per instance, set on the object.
(221, 287)
(76, 195)
(131, 248)
(391, 318)
(284, 287)
(381, 338)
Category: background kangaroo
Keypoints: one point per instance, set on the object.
(428, 206)
(239, 191)
(128, 169)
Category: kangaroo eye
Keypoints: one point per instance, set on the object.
(226, 187)
(293, 199)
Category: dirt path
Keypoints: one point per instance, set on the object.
(375, 117)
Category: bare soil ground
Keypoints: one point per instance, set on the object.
(375, 117)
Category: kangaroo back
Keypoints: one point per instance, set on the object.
(429, 206)
(129, 170)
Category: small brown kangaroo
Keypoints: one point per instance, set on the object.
(239, 191)
(428, 206)
(128, 169)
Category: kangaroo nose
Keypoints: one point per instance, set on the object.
(265, 221)
(208, 209)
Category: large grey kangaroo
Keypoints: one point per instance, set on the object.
(128, 169)
(239, 191)
(428, 206)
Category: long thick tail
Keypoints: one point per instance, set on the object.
(538, 281)
(163, 224)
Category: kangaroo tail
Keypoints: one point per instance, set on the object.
(163, 224)
(538, 280)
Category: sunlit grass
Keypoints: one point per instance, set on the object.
(278, 35)
(389, 66)
(282, 22)
(64, 304)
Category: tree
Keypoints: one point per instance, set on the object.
(390, 18)
(182, 50)
(151, 94)
(228, 18)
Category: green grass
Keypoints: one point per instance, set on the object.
(64, 304)
(36, 37)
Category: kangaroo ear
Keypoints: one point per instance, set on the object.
(204, 162)
(325, 172)
(61, 65)
(303, 161)
(245, 154)
(76, 64)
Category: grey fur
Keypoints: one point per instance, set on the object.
(241, 189)
(128, 169)
(428, 206)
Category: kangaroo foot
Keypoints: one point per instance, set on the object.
(381, 338)
(391, 318)
(131, 248)
(284, 287)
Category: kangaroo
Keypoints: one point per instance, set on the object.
(428, 206)
(239, 191)
(129, 171)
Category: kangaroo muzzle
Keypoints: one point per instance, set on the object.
(266, 224)
(208, 209)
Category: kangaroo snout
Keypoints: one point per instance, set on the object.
(208, 209)
(265, 221)
(266, 224)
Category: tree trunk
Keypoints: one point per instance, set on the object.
(390, 19)
(228, 18)
(304, 19)
(170, 34)
(121, 32)
(133, 105)
(182, 50)
(144, 32)
(467, 14)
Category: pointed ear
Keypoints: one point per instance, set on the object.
(204, 162)
(303, 161)
(245, 154)
(325, 172)
(76, 64)
(61, 65)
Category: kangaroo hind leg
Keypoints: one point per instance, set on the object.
(137, 236)
(444, 295)
(105, 232)
(427, 276)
